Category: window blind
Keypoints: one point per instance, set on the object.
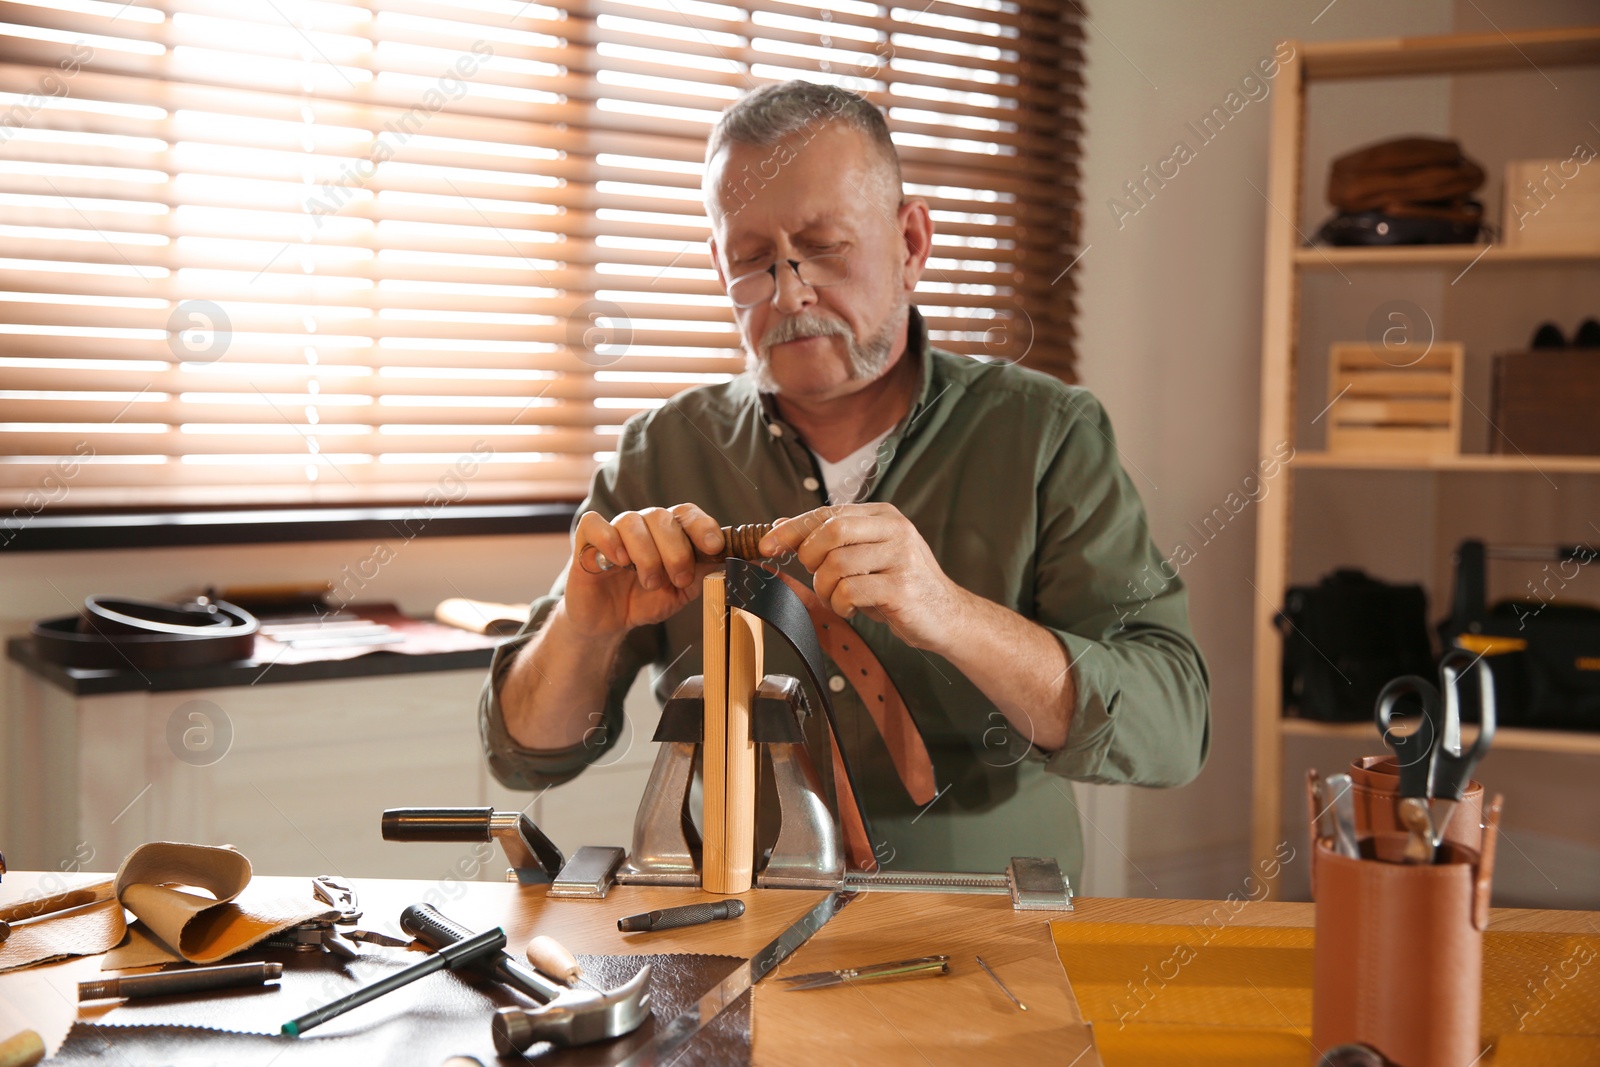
(305, 252)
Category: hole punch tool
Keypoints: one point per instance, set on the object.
(535, 859)
(325, 934)
(1434, 771)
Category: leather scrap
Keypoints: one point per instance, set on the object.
(158, 883)
(81, 931)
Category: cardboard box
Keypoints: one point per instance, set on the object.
(1553, 204)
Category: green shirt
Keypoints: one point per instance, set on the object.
(1013, 480)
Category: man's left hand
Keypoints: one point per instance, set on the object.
(869, 558)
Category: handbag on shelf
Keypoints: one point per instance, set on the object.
(1406, 191)
(1344, 639)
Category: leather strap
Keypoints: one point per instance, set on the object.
(764, 595)
(116, 634)
(876, 689)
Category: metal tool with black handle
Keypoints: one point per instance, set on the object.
(568, 1016)
(535, 859)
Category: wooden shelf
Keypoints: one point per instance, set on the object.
(1329, 258)
(1457, 53)
(1509, 738)
(1467, 463)
(1289, 268)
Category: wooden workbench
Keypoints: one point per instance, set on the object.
(960, 1020)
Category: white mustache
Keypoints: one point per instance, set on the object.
(803, 325)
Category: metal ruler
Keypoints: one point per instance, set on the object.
(670, 1042)
(927, 882)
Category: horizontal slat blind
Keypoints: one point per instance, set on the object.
(320, 251)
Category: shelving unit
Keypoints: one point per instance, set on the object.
(1287, 260)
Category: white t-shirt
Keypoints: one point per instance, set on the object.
(847, 480)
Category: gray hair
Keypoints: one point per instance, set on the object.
(766, 116)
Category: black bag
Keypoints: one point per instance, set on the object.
(1344, 639)
(1545, 655)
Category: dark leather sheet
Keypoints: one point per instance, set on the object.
(426, 1022)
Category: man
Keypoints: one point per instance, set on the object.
(970, 520)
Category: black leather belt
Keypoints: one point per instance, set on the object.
(114, 633)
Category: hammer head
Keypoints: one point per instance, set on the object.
(576, 1017)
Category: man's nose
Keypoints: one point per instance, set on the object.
(792, 295)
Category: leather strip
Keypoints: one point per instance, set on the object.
(861, 667)
(109, 637)
(761, 593)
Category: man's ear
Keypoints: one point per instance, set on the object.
(916, 226)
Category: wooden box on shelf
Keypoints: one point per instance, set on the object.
(1546, 402)
(1395, 401)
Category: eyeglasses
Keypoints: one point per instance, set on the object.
(748, 290)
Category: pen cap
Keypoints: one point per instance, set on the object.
(1375, 785)
(1399, 950)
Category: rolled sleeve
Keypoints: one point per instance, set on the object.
(1142, 714)
(517, 767)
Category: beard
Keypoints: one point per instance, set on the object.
(865, 360)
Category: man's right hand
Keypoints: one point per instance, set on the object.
(658, 544)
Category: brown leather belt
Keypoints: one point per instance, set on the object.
(115, 633)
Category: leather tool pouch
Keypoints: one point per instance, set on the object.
(1375, 784)
(1345, 638)
(1399, 949)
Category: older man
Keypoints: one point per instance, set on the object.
(970, 520)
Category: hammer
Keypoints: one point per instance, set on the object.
(568, 1016)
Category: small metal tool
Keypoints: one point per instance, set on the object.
(921, 967)
(1339, 806)
(452, 956)
(589, 874)
(677, 918)
(185, 980)
(990, 972)
(324, 934)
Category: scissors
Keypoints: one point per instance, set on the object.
(1432, 764)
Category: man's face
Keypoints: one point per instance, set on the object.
(803, 198)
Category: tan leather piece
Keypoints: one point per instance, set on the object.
(1399, 952)
(858, 853)
(156, 883)
(861, 667)
(1375, 784)
(82, 931)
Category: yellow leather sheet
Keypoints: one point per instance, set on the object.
(1214, 993)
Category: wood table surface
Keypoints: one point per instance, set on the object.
(959, 1020)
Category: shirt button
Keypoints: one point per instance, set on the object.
(836, 683)
(774, 429)
(812, 484)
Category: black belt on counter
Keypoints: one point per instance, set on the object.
(115, 633)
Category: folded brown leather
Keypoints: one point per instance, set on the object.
(1400, 171)
(158, 882)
